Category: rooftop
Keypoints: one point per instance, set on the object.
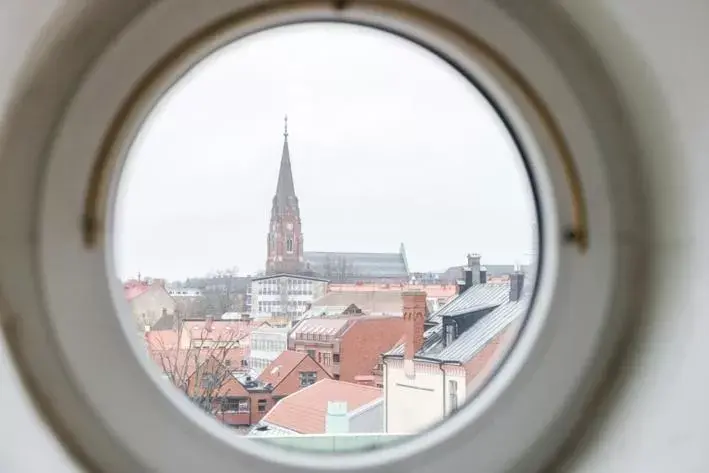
(321, 326)
(289, 275)
(370, 302)
(281, 367)
(342, 266)
(305, 411)
(133, 289)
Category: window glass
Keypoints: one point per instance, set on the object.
(323, 167)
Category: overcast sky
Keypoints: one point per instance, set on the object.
(388, 145)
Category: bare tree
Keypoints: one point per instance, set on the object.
(200, 366)
(221, 293)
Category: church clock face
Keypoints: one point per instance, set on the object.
(289, 226)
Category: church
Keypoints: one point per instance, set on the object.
(285, 243)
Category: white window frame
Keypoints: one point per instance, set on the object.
(577, 314)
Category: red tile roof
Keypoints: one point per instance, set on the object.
(281, 367)
(305, 411)
(133, 289)
(221, 330)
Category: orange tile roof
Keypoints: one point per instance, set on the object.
(133, 289)
(305, 411)
(281, 367)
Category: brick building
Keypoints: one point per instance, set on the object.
(285, 244)
(347, 347)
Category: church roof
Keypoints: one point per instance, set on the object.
(338, 266)
(285, 190)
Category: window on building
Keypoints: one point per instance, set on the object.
(262, 405)
(311, 353)
(231, 404)
(307, 378)
(335, 357)
(289, 245)
(243, 406)
(327, 359)
(453, 394)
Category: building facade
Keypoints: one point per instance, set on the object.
(284, 296)
(267, 344)
(347, 347)
(443, 359)
(148, 302)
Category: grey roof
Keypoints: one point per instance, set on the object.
(493, 270)
(470, 342)
(357, 266)
(165, 322)
(289, 275)
(478, 297)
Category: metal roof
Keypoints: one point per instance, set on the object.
(352, 266)
(470, 342)
(477, 297)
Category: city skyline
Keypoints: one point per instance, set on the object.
(377, 160)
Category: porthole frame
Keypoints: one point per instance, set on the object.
(552, 351)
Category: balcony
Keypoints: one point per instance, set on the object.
(327, 443)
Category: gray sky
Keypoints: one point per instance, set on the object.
(388, 144)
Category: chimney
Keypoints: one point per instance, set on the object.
(468, 278)
(483, 275)
(516, 285)
(460, 287)
(474, 267)
(414, 317)
(336, 421)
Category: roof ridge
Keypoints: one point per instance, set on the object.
(292, 369)
(371, 388)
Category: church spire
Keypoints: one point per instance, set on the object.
(285, 236)
(285, 190)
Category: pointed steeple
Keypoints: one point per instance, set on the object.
(285, 235)
(285, 191)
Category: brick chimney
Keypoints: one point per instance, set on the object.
(516, 285)
(414, 310)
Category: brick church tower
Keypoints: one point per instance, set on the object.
(285, 237)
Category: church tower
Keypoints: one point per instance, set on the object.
(285, 238)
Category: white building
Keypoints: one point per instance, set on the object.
(267, 344)
(434, 371)
(284, 295)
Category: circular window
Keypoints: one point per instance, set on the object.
(393, 149)
(457, 130)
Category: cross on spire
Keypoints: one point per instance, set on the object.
(285, 132)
